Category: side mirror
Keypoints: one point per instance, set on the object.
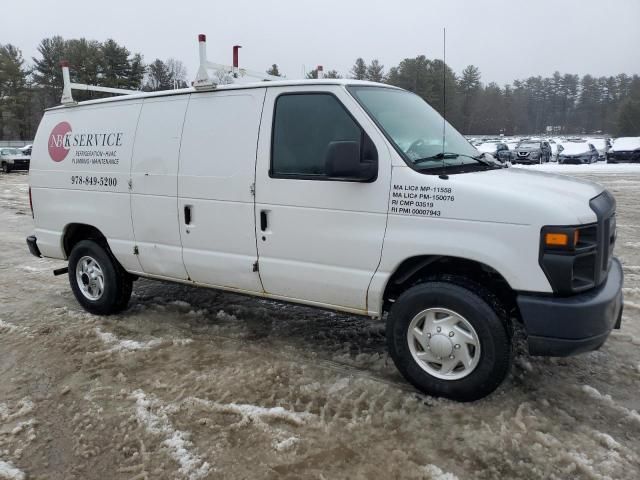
(342, 160)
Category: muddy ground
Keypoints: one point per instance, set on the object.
(193, 383)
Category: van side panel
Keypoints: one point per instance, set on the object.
(323, 239)
(217, 169)
(154, 190)
(80, 167)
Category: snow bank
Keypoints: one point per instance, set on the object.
(25, 406)
(9, 472)
(253, 413)
(7, 327)
(118, 345)
(191, 465)
(595, 168)
(608, 401)
(435, 473)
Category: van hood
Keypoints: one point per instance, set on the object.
(559, 199)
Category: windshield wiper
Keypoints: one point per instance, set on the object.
(452, 155)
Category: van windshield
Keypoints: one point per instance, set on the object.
(416, 129)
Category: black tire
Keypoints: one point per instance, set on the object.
(5, 167)
(118, 284)
(493, 334)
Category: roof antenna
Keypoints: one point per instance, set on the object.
(444, 88)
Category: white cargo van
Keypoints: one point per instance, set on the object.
(337, 194)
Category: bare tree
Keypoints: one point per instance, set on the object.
(177, 72)
(222, 77)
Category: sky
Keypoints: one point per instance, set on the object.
(506, 39)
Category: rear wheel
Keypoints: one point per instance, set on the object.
(5, 167)
(448, 341)
(98, 281)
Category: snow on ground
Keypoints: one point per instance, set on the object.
(600, 168)
(194, 383)
(9, 472)
(180, 448)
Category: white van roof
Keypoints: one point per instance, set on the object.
(231, 86)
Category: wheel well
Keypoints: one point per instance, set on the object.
(416, 270)
(76, 232)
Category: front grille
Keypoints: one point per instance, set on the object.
(610, 240)
(604, 206)
(625, 156)
(523, 154)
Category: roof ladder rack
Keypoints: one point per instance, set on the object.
(68, 86)
(204, 82)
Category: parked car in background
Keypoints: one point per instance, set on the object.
(554, 150)
(532, 151)
(26, 150)
(578, 153)
(603, 145)
(624, 149)
(498, 149)
(13, 159)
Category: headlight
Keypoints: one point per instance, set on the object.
(568, 256)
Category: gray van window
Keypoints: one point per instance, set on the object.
(303, 127)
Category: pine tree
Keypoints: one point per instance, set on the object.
(328, 74)
(114, 67)
(46, 69)
(412, 74)
(469, 87)
(274, 71)
(375, 71)
(14, 99)
(158, 76)
(628, 123)
(588, 104)
(359, 70)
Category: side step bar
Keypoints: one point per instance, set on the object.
(61, 271)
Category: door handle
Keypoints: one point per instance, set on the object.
(264, 224)
(187, 214)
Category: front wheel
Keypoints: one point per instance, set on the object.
(5, 167)
(448, 341)
(98, 281)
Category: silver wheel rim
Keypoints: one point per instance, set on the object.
(90, 278)
(443, 343)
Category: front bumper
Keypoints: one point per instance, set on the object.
(525, 160)
(560, 327)
(623, 157)
(20, 165)
(574, 161)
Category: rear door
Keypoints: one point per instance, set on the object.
(215, 188)
(319, 238)
(154, 190)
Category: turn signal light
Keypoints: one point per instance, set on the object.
(556, 239)
(562, 239)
